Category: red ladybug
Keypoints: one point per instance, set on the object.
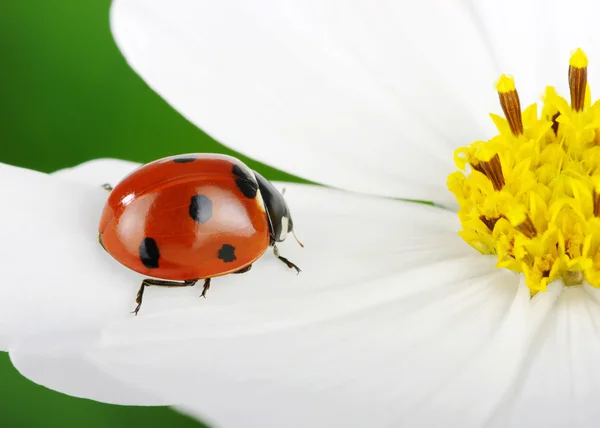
(191, 217)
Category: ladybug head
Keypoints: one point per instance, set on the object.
(278, 213)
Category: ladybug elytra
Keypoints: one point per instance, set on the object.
(191, 217)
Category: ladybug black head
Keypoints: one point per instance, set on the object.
(280, 220)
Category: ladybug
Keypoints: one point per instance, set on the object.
(191, 217)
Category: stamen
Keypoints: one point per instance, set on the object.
(527, 228)
(489, 222)
(578, 79)
(511, 106)
(555, 123)
(572, 277)
(492, 170)
(596, 199)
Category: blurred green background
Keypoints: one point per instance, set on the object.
(67, 96)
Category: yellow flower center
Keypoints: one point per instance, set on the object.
(531, 195)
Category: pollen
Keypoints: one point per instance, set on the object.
(531, 194)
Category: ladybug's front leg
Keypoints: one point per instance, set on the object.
(159, 283)
(284, 260)
(107, 186)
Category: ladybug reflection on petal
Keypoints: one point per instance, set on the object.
(191, 217)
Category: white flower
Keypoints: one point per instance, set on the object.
(395, 320)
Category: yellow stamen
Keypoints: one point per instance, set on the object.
(555, 122)
(578, 79)
(492, 170)
(572, 278)
(531, 196)
(509, 100)
(578, 59)
(596, 200)
(527, 228)
(489, 222)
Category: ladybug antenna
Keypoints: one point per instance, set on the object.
(293, 232)
(296, 238)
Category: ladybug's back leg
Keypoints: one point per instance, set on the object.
(162, 283)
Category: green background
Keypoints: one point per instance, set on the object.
(68, 96)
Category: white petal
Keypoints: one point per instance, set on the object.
(379, 349)
(351, 243)
(99, 171)
(371, 97)
(55, 275)
(313, 355)
(62, 367)
(561, 382)
(471, 395)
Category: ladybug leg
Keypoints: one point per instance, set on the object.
(107, 186)
(205, 287)
(159, 283)
(100, 241)
(284, 260)
(244, 270)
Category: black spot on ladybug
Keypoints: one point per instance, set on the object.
(227, 253)
(200, 208)
(184, 160)
(245, 182)
(149, 253)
